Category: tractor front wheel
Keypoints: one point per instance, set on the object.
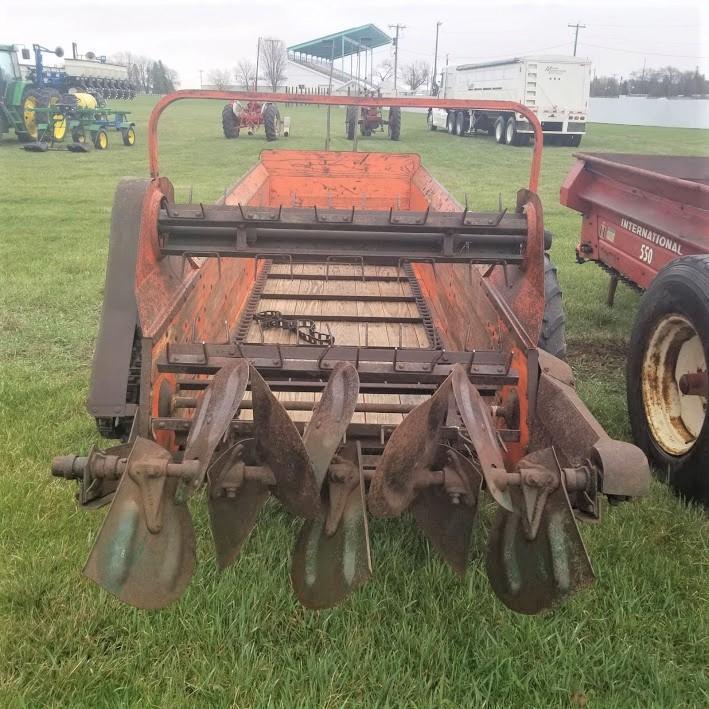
(668, 378)
(101, 140)
(271, 122)
(128, 136)
(230, 122)
(394, 123)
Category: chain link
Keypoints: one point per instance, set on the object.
(305, 329)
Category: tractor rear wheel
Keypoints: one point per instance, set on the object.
(32, 99)
(394, 123)
(552, 337)
(669, 340)
(230, 122)
(271, 121)
(351, 122)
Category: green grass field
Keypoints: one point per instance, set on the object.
(414, 636)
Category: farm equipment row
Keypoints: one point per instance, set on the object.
(27, 96)
(429, 388)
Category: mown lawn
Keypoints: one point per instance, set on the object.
(414, 636)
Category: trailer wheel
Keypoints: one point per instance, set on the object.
(552, 337)
(500, 130)
(462, 123)
(230, 122)
(351, 122)
(572, 141)
(271, 120)
(511, 134)
(429, 121)
(394, 123)
(670, 338)
(450, 123)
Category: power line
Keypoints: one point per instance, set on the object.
(644, 52)
(576, 35)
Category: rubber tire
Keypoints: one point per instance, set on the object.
(511, 127)
(462, 123)
(552, 337)
(351, 122)
(450, 124)
(42, 100)
(572, 141)
(681, 287)
(97, 139)
(500, 130)
(394, 123)
(230, 122)
(126, 137)
(429, 120)
(271, 116)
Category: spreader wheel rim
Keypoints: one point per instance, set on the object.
(675, 419)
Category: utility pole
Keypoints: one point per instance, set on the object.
(435, 57)
(576, 36)
(397, 27)
(258, 56)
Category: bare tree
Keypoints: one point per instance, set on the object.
(416, 74)
(383, 72)
(245, 73)
(274, 61)
(219, 78)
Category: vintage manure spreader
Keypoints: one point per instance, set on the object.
(338, 333)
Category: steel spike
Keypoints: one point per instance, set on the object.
(478, 423)
(412, 448)
(535, 567)
(213, 415)
(233, 515)
(142, 568)
(446, 521)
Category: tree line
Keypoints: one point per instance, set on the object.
(149, 76)
(665, 82)
(273, 60)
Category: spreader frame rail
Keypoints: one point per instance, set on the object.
(382, 102)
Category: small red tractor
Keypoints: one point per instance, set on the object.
(646, 222)
(370, 119)
(349, 353)
(250, 116)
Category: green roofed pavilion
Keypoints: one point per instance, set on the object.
(349, 42)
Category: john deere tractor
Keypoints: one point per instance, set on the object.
(28, 93)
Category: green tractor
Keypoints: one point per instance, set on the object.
(24, 106)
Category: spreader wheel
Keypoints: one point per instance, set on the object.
(552, 337)
(394, 123)
(230, 122)
(271, 122)
(667, 380)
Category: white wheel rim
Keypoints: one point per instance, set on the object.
(675, 419)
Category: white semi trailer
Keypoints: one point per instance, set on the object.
(556, 88)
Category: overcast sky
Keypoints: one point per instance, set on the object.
(189, 36)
